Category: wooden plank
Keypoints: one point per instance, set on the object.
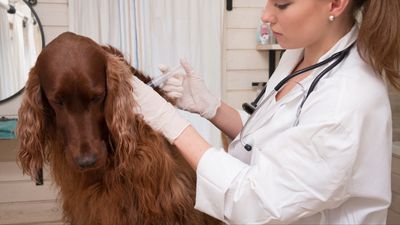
(243, 18)
(395, 104)
(8, 150)
(237, 98)
(52, 14)
(241, 80)
(395, 101)
(395, 206)
(249, 3)
(265, 47)
(396, 166)
(10, 171)
(393, 218)
(22, 191)
(53, 1)
(241, 39)
(396, 120)
(11, 107)
(48, 223)
(41, 212)
(396, 135)
(396, 183)
(246, 60)
(396, 152)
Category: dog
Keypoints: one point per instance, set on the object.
(78, 116)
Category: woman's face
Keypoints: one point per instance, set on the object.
(297, 23)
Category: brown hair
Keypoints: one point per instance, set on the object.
(379, 37)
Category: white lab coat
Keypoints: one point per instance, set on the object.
(333, 168)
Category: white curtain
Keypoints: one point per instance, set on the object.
(17, 50)
(153, 32)
(6, 62)
(171, 29)
(108, 22)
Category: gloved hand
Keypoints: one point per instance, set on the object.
(157, 112)
(191, 93)
(173, 86)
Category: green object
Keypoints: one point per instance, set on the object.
(7, 128)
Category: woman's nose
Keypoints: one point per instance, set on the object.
(266, 15)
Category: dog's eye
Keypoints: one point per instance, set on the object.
(59, 103)
(96, 98)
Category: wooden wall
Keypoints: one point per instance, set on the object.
(395, 103)
(394, 210)
(242, 63)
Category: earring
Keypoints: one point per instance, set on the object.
(331, 18)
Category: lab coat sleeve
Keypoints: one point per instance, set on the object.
(244, 116)
(304, 171)
(209, 199)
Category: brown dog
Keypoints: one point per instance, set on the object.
(78, 116)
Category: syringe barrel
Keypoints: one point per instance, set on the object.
(163, 77)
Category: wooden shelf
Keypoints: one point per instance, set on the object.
(261, 47)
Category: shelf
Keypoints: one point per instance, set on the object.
(261, 47)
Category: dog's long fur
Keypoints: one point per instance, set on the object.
(78, 116)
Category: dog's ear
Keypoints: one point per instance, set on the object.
(119, 110)
(31, 127)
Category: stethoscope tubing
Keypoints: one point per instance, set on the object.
(339, 56)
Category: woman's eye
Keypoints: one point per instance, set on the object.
(282, 5)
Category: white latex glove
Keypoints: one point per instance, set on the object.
(191, 93)
(157, 112)
(173, 86)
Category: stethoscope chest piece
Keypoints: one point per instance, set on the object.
(248, 147)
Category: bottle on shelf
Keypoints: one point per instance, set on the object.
(264, 34)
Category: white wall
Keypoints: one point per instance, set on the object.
(54, 17)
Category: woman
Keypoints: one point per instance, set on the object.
(327, 162)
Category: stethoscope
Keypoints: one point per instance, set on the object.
(253, 108)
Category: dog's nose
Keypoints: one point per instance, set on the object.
(86, 160)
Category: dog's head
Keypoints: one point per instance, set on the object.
(78, 101)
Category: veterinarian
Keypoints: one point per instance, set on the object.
(318, 149)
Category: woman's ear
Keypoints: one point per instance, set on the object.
(31, 128)
(337, 7)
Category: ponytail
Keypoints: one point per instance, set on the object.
(379, 37)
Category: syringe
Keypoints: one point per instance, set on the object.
(163, 77)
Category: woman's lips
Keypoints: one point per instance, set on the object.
(276, 33)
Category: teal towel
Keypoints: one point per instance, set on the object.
(7, 128)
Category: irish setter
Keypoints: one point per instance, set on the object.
(78, 116)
